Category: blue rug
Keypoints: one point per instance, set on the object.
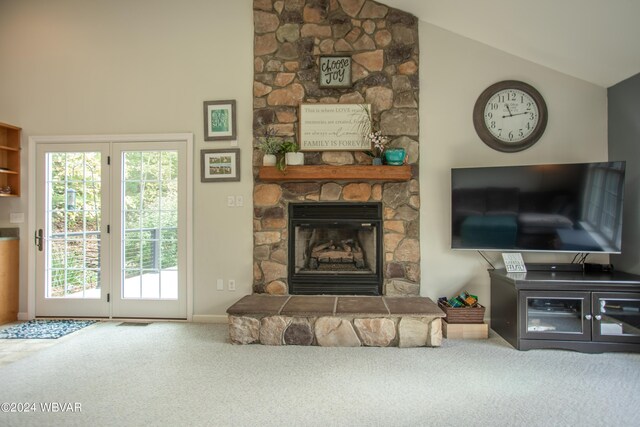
(43, 329)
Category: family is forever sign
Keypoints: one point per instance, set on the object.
(338, 127)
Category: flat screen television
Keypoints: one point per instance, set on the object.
(553, 207)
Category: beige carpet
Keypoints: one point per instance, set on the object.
(189, 375)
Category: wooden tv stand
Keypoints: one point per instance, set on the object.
(587, 312)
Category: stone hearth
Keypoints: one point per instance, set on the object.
(336, 321)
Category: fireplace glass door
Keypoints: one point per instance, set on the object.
(335, 249)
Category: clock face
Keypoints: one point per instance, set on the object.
(511, 115)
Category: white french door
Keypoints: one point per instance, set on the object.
(72, 217)
(148, 258)
(111, 229)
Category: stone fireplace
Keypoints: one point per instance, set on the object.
(339, 226)
(335, 248)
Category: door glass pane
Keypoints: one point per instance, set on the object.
(619, 317)
(554, 315)
(149, 222)
(73, 206)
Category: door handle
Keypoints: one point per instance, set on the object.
(598, 317)
(587, 317)
(38, 239)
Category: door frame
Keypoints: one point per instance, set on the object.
(70, 139)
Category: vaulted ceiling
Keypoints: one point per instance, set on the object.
(594, 40)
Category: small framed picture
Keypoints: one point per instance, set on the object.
(220, 120)
(335, 71)
(220, 165)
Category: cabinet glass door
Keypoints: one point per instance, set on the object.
(616, 317)
(555, 315)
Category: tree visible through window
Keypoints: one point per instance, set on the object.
(73, 223)
(150, 222)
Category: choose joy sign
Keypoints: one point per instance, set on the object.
(335, 71)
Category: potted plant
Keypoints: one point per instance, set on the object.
(292, 153)
(271, 145)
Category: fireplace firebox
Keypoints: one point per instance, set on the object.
(335, 248)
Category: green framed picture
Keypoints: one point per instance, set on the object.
(220, 120)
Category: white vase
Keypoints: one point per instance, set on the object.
(294, 159)
(269, 160)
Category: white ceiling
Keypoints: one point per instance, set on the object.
(594, 40)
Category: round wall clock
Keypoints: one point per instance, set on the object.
(510, 116)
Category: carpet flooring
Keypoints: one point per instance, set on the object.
(43, 329)
(187, 374)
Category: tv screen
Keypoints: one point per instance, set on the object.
(556, 207)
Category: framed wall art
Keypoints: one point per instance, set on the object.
(220, 120)
(335, 71)
(220, 165)
(335, 127)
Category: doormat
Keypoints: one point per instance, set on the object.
(43, 329)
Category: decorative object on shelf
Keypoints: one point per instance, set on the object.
(279, 151)
(220, 120)
(335, 127)
(269, 160)
(513, 262)
(510, 116)
(395, 156)
(220, 165)
(292, 154)
(270, 144)
(378, 144)
(335, 71)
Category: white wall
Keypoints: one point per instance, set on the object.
(146, 66)
(454, 71)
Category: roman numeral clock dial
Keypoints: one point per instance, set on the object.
(510, 116)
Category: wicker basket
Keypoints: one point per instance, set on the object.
(463, 314)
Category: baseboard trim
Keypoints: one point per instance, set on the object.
(197, 318)
(209, 318)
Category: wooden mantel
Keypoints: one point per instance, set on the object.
(336, 173)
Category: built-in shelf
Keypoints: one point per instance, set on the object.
(9, 159)
(336, 173)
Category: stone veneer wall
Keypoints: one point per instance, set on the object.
(383, 43)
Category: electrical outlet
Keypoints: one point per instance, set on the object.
(231, 201)
(220, 285)
(232, 285)
(239, 201)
